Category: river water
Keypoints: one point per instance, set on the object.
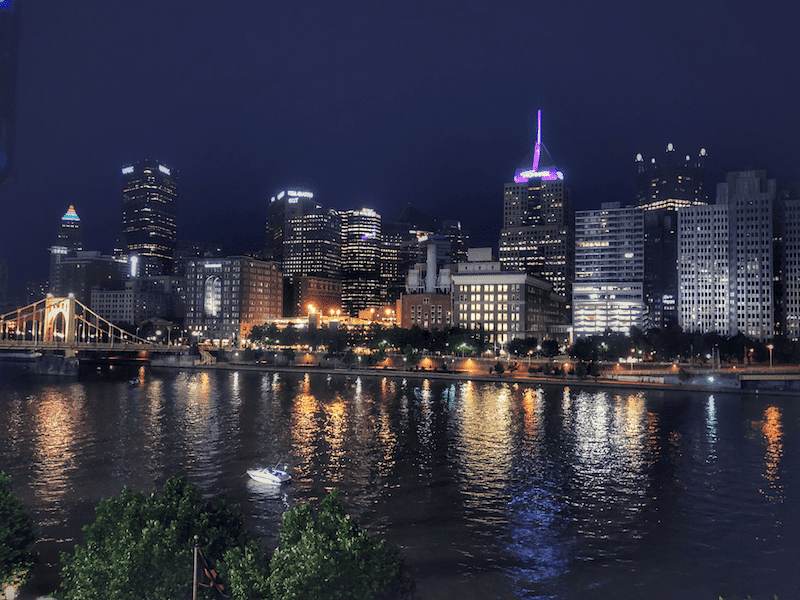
(492, 490)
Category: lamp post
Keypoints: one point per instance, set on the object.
(771, 348)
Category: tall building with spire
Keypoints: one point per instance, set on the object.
(149, 210)
(538, 233)
(70, 234)
(69, 240)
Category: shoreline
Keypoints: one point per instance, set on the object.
(600, 382)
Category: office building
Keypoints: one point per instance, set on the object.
(506, 304)
(671, 182)
(132, 304)
(787, 264)
(283, 206)
(537, 236)
(361, 254)
(149, 208)
(607, 295)
(69, 239)
(662, 187)
(312, 244)
(227, 297)
(70, 234)
(726, 260)
(78, 272)
(459, 239)
(310, 295)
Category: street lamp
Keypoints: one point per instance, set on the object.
(771, 348)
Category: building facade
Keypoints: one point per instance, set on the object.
(506, 304)
(227, 297)
(361, 255)
(69, 239)
(537, 236)
(320, 295)
(427, 311)
(662, 187)
(608, 293)
(726, 259)
(149, 210)
(129, 305)
(78, 272)
(788, 251)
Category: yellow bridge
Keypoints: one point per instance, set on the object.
(63, 323)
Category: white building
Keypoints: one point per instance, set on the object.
(506, 304)
(608, 293)
(726, 260)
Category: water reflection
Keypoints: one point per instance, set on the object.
(493, 490)
(772, 429)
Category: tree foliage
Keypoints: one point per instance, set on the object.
(141, 546)
(17, 537)
(326, 556)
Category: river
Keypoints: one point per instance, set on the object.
(492, 490)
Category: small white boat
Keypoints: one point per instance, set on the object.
(269, 475)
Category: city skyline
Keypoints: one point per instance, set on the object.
(412, 103)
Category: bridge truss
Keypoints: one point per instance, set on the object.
(62, 322)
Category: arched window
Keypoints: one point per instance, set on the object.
(213, 296)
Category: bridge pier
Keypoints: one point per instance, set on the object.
(53, 364)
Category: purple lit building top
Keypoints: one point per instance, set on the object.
(540, 164)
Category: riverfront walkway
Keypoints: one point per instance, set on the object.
(757, 380)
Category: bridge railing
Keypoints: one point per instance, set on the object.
(63, 321)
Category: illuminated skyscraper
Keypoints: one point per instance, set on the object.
(9, 51)
(69, 240)
(671, 183)
(306, 240)
(726, 259)
(538, 235)
(70, 234)
(662, 187)
(149, 206)
(609, 270)
(361, 254)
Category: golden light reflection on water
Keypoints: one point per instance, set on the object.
(335, 434)
(58, 424)
(532, 406)
(771, 426)
(485, 443)
(304, 426)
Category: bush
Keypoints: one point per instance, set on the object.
(327, 557)
(141, 546)
(17, 537)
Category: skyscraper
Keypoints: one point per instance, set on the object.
(726, 259)
(149, 208)
(361, 254)
(609, 270)
(538, 234)
(69, 240)
(306, 240)
(662, 187)
(70, 234)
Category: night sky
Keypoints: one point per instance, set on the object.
(381, 104)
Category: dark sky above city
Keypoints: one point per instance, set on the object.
(381, 104)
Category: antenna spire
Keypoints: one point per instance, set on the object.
(538, 148)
